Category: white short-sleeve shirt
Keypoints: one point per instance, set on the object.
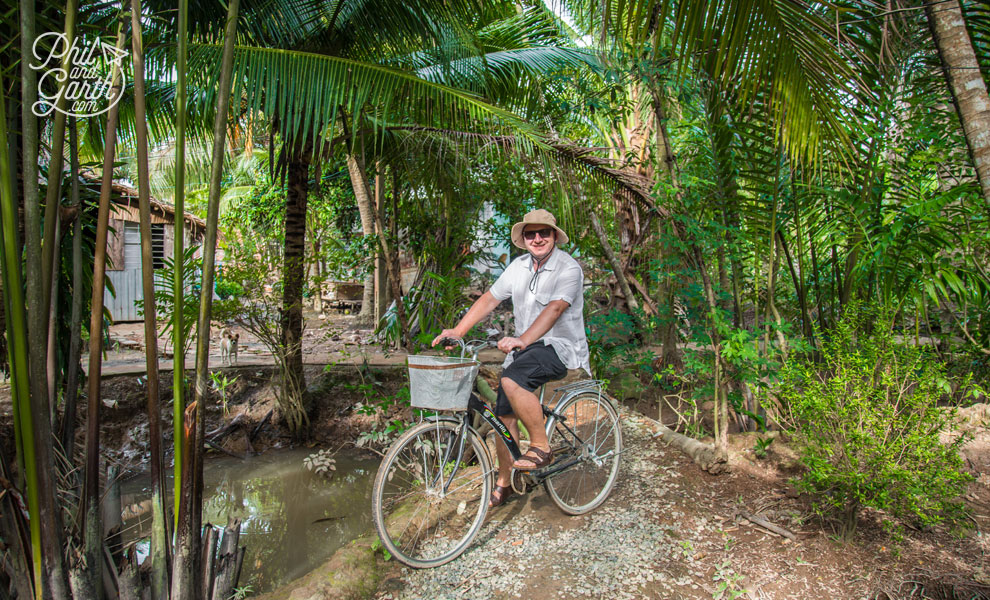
(561, 278)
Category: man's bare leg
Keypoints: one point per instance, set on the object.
(526, 406)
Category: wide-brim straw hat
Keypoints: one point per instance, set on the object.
(536, 217)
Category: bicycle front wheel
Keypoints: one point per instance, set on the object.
(586, 434)
(426, 504)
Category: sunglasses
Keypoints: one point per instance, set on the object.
(543, 233)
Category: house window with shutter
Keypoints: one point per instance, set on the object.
(158, 245)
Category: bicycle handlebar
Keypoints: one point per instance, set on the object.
(471, 346)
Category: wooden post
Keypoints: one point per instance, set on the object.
(228, 561)
(209, 558)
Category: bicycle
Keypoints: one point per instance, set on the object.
(431, 491)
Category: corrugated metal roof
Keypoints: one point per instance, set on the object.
(126, 193)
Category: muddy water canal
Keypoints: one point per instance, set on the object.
(293, 519)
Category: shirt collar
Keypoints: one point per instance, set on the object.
(551, 263)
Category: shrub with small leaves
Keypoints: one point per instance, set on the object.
(868, 426)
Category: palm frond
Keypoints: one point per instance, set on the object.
(304, 92)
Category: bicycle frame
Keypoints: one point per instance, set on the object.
(478, 406)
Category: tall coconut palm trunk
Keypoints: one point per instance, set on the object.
(955, 49)
(366, 209)
(294, 276)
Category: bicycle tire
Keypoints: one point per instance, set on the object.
(418, 523)
(583, 487)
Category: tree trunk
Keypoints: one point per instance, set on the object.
(15, 319)
(969, 90)
(178, 288)
(49, 513)
(799, 287)
(209, 559)
(51, 294)
(671, 355)
(362, 194)
(620, 276)
(390, 255)
(159, 530)
(228, 561)
(817, 275)
(195, 511)
(90, 505)
(55, 165)
(184, 565)
(68, 432)
(294, 275)
(720, 410)
(381, 277)
(705, 456)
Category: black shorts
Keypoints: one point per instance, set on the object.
(531, 368)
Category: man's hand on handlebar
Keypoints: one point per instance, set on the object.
(446, 334)
(508, 344)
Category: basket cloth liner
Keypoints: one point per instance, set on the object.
(441, 382)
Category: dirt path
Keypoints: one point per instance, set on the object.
(671, 531)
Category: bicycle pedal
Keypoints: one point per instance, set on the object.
(522, 482)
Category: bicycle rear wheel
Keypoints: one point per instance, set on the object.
(426, 506)
(588, 434)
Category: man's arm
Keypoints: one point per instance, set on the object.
(481, 308)
(543, 323)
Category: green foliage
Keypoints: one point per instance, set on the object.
(614, 344)
(244, 591)
(259, 310)
(436, 303)
(227, 289)
(869, 426)
(727, 582)
(221, 383)
(192, 269)
(747, 361)
(376, 546)
(762, 446)
(377, 402)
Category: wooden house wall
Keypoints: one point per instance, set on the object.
(124, 254)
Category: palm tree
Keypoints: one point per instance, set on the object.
(965, 81)
(334, 64)
(50, 562)
(90, 503)
(16, 331)
(187, 580)
(159, 536)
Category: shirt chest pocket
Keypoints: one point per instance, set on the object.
(542, 298)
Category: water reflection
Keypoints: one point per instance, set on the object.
(293, 519)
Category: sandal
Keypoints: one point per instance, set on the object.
(499, 495)
(536, 457)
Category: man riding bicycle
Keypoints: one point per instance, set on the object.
(545, 285)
